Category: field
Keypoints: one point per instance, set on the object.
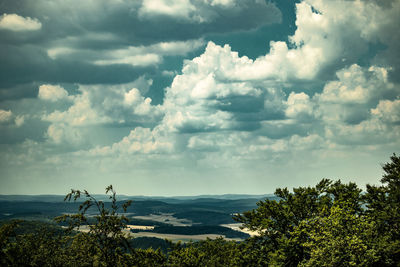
(165, 218)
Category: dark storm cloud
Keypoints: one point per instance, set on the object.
(105, 26)
(32, 129)
(19, 91)
(245, 104)
(154, 28)
(26, 64)
(249, 111)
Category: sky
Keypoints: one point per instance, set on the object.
(189, 97)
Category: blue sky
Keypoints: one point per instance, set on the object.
(185, 97)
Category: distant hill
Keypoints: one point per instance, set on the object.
(174, 199)
(40, 198)
(204, 209)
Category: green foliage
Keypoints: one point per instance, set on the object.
(41, 248)
(276, 221)
(151, 242)
(383, 207)
(341, 239)
(216, 252)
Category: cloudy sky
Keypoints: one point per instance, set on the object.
(184, 97)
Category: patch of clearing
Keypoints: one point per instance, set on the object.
(139, 227)
(171, 237)
(165, 218)
(236, 227)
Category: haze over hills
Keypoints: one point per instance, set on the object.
(182, 216)
(202, 209)
(173, 199)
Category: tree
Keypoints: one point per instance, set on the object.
(276, 221)
(218, 252)
(383, 207)
(42, 247)
(343, 238)
(105, 240)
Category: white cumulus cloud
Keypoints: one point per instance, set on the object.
(81, 113)
(19, 120)
(139, 141)
(356, 90)
(14, 22)
(356, 85)
(52, 92)
(388, 111)
(5, 115)
(61, 133)
(199, 100)
(299, 105)
(177, 8)
(333, 35)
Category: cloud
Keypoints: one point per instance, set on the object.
(205, 12)
(52, 93)
(140, 104)
(220, 2)
(221, 91)
(359, 108)
(298, 105)
(375, 22)
(180, 8)
(357, 89)
(139, 141)
(19, 120)
(137, 60)
(148, 55)
(14, 22)
(323, 92)
(97, 106)
(293, 143)
(356, 85)
(80, 113)
(201, 100)
(371, 132)
(96, 43)
(67, 126)
(388, 111)
(10, 122)
(61, 133)
(218, 142)
(5, 115)
(131, 55)
(207, 144)
(327, 35)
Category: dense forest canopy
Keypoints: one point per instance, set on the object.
(329, 224)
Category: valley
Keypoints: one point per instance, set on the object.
(176, 219)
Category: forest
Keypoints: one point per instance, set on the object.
(329, 224)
